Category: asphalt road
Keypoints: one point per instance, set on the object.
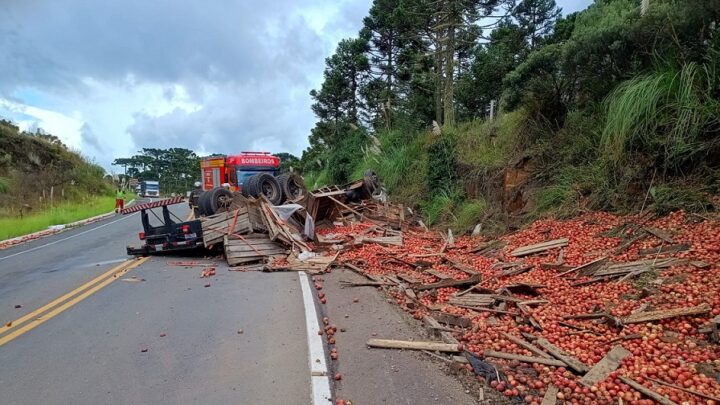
(155, 335)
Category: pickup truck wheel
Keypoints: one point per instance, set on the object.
(220, 198)
(292, 186)
(203, 203)
(265, 184)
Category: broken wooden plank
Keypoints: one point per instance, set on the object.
(524, 359)
(664, 249)
(519, 270)
(539, 247)
(649, 316)
(700, 264)
(413, 345)
(528, 346)
(479, 300)
(587, 268)
(647, 391)
(449, 283)
(446, 336)
(550, 397)
(450, 319)
(484, 248)
(659, 233)
(625, 246)
(483, 309)
(688, 390)
(560, 354)
(605, 366)
(441, 276)
(460, 266)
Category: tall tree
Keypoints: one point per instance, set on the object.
(537, 18)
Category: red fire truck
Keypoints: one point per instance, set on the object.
(250, 173)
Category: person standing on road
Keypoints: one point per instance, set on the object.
(119, 200)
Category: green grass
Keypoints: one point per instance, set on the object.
(61, 214)
(668, 111)
(468, 214)
(315, 180)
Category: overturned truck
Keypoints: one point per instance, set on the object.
(251, 229)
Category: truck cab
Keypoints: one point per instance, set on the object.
(235, 170)
(150, 188)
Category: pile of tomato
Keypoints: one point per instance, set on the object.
(671, 350)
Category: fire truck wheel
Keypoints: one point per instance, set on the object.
(265, 184)
(219, 198)
(292, 186)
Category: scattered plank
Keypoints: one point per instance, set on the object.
(482, 309)
(450, 319)
(486, 247)
(560, 354)
(449, 283)
(700, 264)
(587, 268)
(441, 276)
(460, 266)
(625, 246)
(689, 391)
(519, 270)
(550, 397)
(664, 249)
(647, 391)
(539, 247)
(604, 367)
(529, 346)
(524, 359)
(445, 335)
(413, 345)
(649, 316)
(659, 233)
(475, 300)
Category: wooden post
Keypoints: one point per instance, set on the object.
(492, 110)
(644, 6)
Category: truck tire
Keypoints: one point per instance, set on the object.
(202, 203)
(265, 184)
(218, 198)
(292, 186)
(248, 187)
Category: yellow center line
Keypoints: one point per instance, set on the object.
(84, 291)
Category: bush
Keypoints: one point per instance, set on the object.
(468, 214)
(669, 198)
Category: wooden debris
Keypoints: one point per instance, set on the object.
(459, 266)
(664, 249)
(560, 354)
(524, 359)
(242, 250)
(587, 268)
(700, 264)
(659, 233)
(413, 345)
(445, 335)
(519, 270)
(441, 276)
(604, 367)
(689, 391)
(474, 300)
(539, 247)
(625, 246)
(649, 316)
(529, 346)
(550, 397)
(312, 265)
(380, 240)
(647, 391)
(449, 283)
(450, 319)
(215, 227)
(488, 247)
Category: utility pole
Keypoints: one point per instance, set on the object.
(644, 6)
(492, 110)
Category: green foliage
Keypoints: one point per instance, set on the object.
(490, 144)
(442, 164)
(176, 168)
(673, 115)
(669, 198)
(468, 214)
(439, 207)
(316, 179)
(4, 185)
(61, 214)
(553, 197)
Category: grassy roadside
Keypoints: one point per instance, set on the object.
(61, 214)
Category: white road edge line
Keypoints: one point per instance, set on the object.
(64, 239)
(318, 367)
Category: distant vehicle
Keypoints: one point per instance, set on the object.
(250, 173)
(150, 188)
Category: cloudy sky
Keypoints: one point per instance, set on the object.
(111, 77)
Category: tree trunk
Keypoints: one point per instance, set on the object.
(448, 95)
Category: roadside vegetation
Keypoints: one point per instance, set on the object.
(43, 183)
(608, 109)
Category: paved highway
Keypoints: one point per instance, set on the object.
(93, 328)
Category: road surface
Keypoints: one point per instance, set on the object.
(153, 334)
